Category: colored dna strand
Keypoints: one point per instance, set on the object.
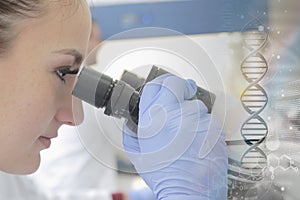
(254, 99)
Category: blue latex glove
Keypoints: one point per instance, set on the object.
(141, 194)
(165, 152)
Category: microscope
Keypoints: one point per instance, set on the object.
(120, 98)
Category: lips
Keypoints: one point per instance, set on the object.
(46, 140)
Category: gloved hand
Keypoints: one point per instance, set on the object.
(165, 150)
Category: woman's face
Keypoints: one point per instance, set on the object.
(35, 99)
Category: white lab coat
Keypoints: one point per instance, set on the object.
(19, 187)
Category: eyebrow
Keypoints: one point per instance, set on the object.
(78, 57)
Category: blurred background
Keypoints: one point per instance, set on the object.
(246, 52)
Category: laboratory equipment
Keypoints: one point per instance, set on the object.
(120, 98)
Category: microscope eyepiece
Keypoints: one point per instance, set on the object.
(93, 87)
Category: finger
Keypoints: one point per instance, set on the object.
(130, 141)
(176, 90)
(150, 92)
(166, 90)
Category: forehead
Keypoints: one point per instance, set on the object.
(61, 26)
(65, 24)
(65, 9)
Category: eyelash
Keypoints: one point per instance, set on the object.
(64, 71)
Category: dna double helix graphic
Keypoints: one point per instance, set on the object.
(254, 99)
(244, 175)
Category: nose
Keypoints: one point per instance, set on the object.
(71, 113)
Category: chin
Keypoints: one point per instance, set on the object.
(31, 167)
(30, 170)
(23, 167)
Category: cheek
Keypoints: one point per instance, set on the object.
(26, 112)
(30, 106)
(41, 102)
